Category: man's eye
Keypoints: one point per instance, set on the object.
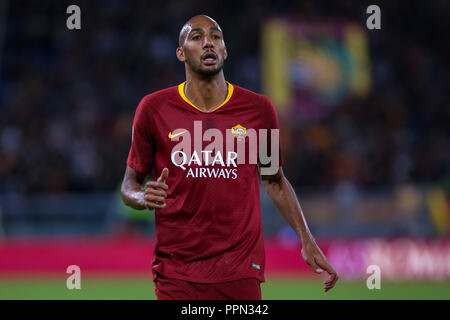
(196, 38)
(216, 37)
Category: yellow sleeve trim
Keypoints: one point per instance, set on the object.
(229, 94)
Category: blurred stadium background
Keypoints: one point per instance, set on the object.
(364, 117)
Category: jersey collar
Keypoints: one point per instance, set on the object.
(183, 96)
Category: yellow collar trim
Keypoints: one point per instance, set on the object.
(181, 92)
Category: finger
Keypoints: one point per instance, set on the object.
(331, 278)
(156, 192)
(325, 265)
(163, 176)
(153, 205)
(153, 198)
(328, 287)
(156, 184)
(331, 282)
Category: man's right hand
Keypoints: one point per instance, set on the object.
(155, 193)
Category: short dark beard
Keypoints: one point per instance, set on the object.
(202, 72)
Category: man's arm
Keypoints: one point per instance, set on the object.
(283, 196)
(135, 196)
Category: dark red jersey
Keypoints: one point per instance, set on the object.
(210, 230)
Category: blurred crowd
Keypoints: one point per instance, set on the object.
(67, 98)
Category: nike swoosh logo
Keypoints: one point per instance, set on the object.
(176, 134)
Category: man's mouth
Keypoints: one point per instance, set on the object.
(209, 58)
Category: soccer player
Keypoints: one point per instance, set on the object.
(209, 240)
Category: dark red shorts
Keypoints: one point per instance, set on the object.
(174, 289)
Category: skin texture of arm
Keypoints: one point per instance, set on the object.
(135, 196)
(283, 196)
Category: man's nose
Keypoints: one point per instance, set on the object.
(208, 43)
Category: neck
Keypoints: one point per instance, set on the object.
(206, 93)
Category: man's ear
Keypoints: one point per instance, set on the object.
(180, 54)
(226, 54)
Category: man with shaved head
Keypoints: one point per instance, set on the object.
(209, 240)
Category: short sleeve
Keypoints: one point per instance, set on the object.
(271, 123)
(141, 153)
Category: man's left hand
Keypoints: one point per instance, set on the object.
(315, 258)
